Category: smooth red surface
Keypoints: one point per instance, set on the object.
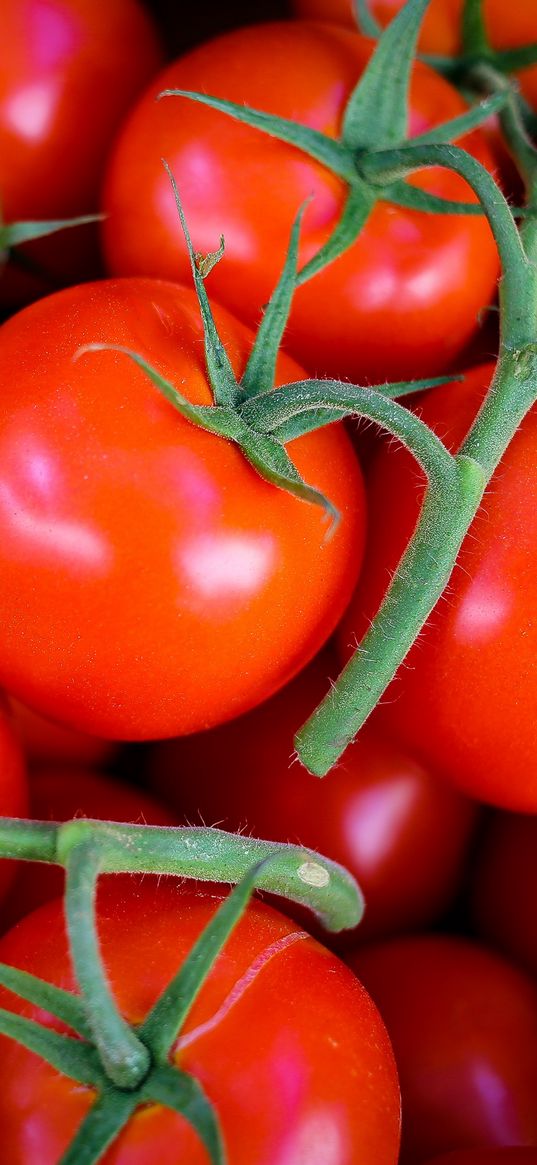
(463, 1024)
(298, 1067)
(403, 833)
(465, 699)
(13, 783)
(69, 71)
(60, 795)
(152, 582)
(403, 300)
(509, 26)
(505, 886)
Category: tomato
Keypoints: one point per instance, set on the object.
(507, 26)
(152, 582)
(505, 886)
(464, 701)
(402, 833)
(44, 741)
(463, 1023)
(405, 297)
(59, 795)
(13, 783)
(514, 1156)
(70, 69)
(282, 1086)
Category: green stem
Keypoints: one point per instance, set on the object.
(299, 874)
(273, 411)
(417, 585)
(33, 841)
(474, 34)
(125, 1059)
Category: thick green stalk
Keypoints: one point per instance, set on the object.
(447, 513)
(416, 587)
(32, 841)
(293, 872)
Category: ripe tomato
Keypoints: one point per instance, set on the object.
(507, 26)
(13, 784)
(464, 701)
(405, 297)
(463, 1023)
(152, 582)
(59, 795)
(505, 886)
(70, 69)
(282, 1085)
(401, 832)
(44, 741)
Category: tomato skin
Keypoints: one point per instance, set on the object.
(402, 833)
(13, 783)
(399, 303)
(152, 582)
(61, 59)
(508, 27)
(463, 1022)
(505, 887)
(280, 1083)
(63, 794)
(464, 701)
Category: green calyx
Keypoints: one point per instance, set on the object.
(376, 117)
(242, 409)
(125, 1066)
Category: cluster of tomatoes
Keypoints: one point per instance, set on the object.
(155, 588)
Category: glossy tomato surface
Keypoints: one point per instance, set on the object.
(152, 582)
(463, 1024)
(465, 699)
(403, 833)
(63, 794)
(13, 783)
(403, 300)
(286, 1089)
(505, 886)
(507, 26)
(69, 71)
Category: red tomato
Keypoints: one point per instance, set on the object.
(505, 886)
(402, 833)
(403, 300)
(152, 582)
(463, 1023)
(65, 794)
(464, 701)
(508, 26)
(13, 784)
(70, 69)
(44, 741)
(285, 1089)
(487, 1157)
